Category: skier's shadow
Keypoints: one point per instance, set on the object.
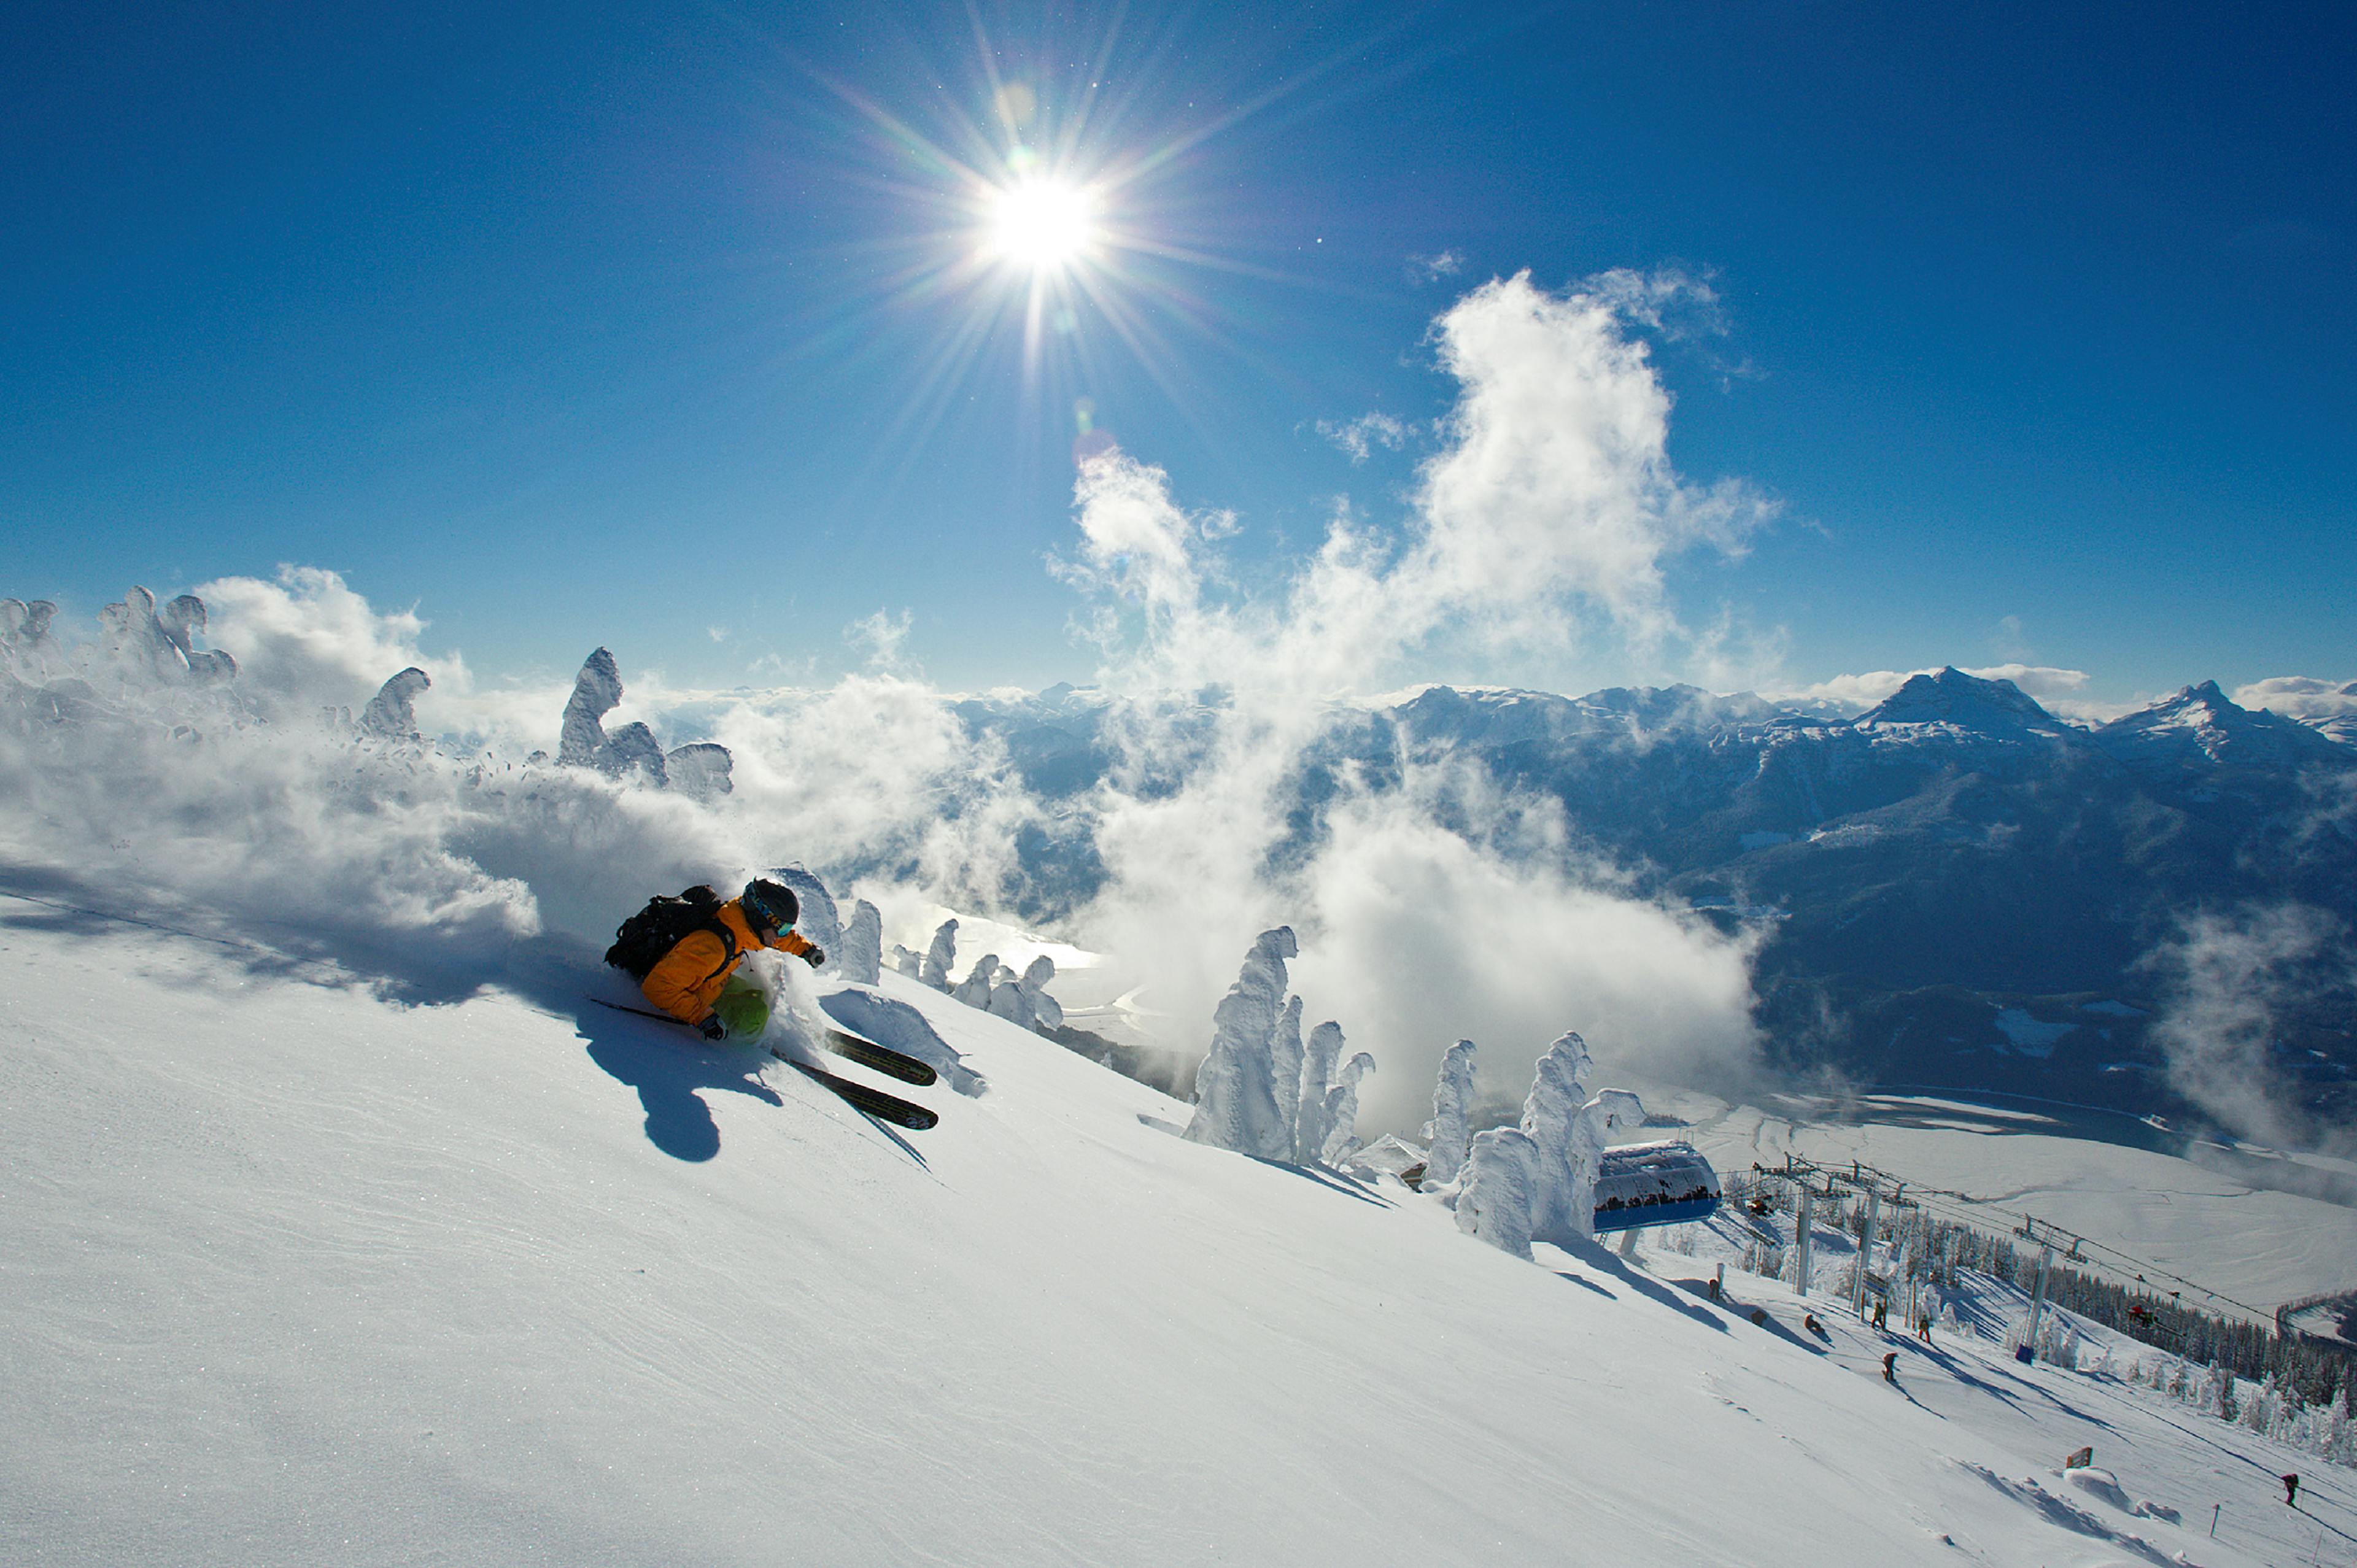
(669, 1074)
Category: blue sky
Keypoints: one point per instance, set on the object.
(650, 326)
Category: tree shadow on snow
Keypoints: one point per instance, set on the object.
(1317, 1175)
(1646, 1285)
(1604, 1260)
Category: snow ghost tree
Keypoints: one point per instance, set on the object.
(816, 918)
(700, 770)
(596, 690)
(863, 944)
(941, 957)
(1319, 1059)
(905, 961)
(1342, 1101)
(631, 751)
(1498, 1192)
(1235, 1088)
(1046, 1013)
(1026, 1002)
(27, 650)
(1452, 1097)
(974, 989)
(1538, 1182)
(147, 645)
(1254, 1092)
(1285, 1057)
(391, 715)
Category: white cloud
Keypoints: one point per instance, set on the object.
(2329, 705)
(1554, 488)
(1432, 269)
(2227, 978)
(1416, 935)
(1671, 300)
(1548, 512)
(1360, 437)
(308, 640)
(884, 637)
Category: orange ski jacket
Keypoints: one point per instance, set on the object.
(686, 981)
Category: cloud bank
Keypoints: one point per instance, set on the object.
(2329, 705)
(1551, 510)
(1431, 906)
(2228, 979)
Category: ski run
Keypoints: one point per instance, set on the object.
(296, 1272)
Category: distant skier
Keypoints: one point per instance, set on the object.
(695, 981)
(2291, 1489)
(1890, 1367)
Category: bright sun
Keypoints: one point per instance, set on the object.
(1042, 224)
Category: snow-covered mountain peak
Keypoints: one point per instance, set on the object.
(2203, 719)
(1966, 703)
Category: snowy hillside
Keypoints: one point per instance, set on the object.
(294, 1274)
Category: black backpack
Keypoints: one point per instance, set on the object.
(647, 935)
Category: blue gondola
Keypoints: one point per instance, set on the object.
(1668, 1183)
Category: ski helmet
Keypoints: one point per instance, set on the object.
(771, 903)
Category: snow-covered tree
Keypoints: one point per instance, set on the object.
(1452, 1097)
(1025, 1002)
(907, 962)
(1343, 1103)
(1499, 1191)
(631, 751)
(941, 957)
(974, 989)
(1312, 1122)
(1236, 1103)
(700, 770)
(26, 648)
(596, 692)
(1284, 1058)
(392, 713)
(863, 944)
(816, 921)
(1046, 1013)
(1544, 1185)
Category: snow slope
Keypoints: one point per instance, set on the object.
(293, 1275)
(2217, 1227)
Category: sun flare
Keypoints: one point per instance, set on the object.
(1043, 225)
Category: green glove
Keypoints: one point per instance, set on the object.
(743, 1007)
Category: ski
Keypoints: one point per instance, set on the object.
(851, 1048)
(859, 1097)
(883, 1059)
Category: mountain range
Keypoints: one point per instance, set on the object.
(1958, 888)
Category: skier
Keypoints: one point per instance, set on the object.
(1890, 1367)
(2291, 1489)
(696, 982)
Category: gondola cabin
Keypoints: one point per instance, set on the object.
(1668, 1183)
